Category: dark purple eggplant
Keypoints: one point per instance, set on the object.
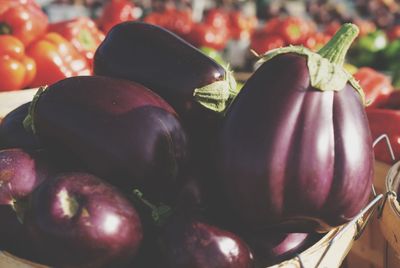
(185, 240)
(196, 86)
(295, 149)
(119, 130)
(271, 247)
(12, 132)
(20, 173)
(168, 65)
(78, 220)
(188, 242)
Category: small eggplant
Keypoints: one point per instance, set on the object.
(12, 132)
(197, 87)
(21, 173)
(75, 219)
(119, 130)
(185, 240)
(295, 149)
(188, 242)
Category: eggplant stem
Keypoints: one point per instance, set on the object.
(336, 49)
(160, 214)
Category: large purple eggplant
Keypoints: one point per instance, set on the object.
(295, 149)
(118, 129)
(12, 132)
(196, 86)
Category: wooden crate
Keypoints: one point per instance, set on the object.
(371, 250)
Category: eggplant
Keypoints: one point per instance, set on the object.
(119, 130)
(21, 172)
(295, 149)
(188, 242)
(12, 132)
(271, 247)
(197, 87)
(182, 239)
(75, 219)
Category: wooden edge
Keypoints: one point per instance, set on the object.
(10, 261)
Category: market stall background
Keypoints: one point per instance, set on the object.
(235, 34)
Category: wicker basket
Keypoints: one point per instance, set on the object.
(390, 217)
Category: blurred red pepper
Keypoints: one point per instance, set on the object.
(241, 26)
(217, 17)
(332, 28)
(204, 35)
(295, 30)
(377, 86)
(316, 41)
(262, 41)
(365, 26)
(82, 33)
(56, 59)
(16, 69)
(272, 25)
(23, 19)
(177, 21)
(393, 33)
(114, 12)
(386, 120)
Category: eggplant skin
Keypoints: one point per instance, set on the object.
(12, 131)
(119, 130)
(293, 155)
(158, 59)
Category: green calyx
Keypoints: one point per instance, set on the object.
(5, 28)
(218, 95)
(326, 67)
(29, 122)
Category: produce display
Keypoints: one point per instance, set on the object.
(140, 148)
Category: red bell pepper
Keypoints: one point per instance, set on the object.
(177, 21)
(204, 35)
(377, 86)
(262, 41)
(217, 17)
(82, 33)
(56, 59)
(295, 30)
(241, 26)
(385, 121)
(23, 19)
(393, 33)
(114, 12)
(316, 41)
(16, 69)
